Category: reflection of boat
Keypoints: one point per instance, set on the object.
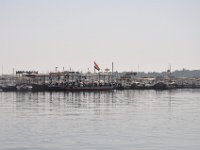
(24, 87)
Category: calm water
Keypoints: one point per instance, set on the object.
(139, 120)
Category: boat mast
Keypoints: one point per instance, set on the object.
(112, 70)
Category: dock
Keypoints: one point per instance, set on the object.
(101, 81)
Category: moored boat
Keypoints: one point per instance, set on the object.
(9, 88)
(24, 87)
(160, 86)
(64, 87)
(89, 88)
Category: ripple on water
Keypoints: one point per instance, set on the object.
(140, 119)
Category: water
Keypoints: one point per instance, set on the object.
(119, 120)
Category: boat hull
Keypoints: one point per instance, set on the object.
(74, 88)
(103, 88)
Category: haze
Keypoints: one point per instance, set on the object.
(145, 34)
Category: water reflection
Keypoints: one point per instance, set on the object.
(143, 119)
(63, 102)
(89, 100)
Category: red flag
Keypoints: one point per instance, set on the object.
(96, 66)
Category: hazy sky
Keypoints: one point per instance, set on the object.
(151, 34)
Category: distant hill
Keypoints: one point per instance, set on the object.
(186, 73)
(177, 73)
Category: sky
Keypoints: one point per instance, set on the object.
(137, 35)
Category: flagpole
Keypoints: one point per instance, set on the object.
(99, 77)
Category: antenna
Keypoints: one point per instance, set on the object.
(169, 70)
(2, 70)
(112, 67)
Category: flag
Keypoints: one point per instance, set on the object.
(96, 66)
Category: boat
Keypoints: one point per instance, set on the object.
(89, 88)
(9, 88)
(56, 87)
(80, 87)
(24, 87)
(39, 87)
(160, 86)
